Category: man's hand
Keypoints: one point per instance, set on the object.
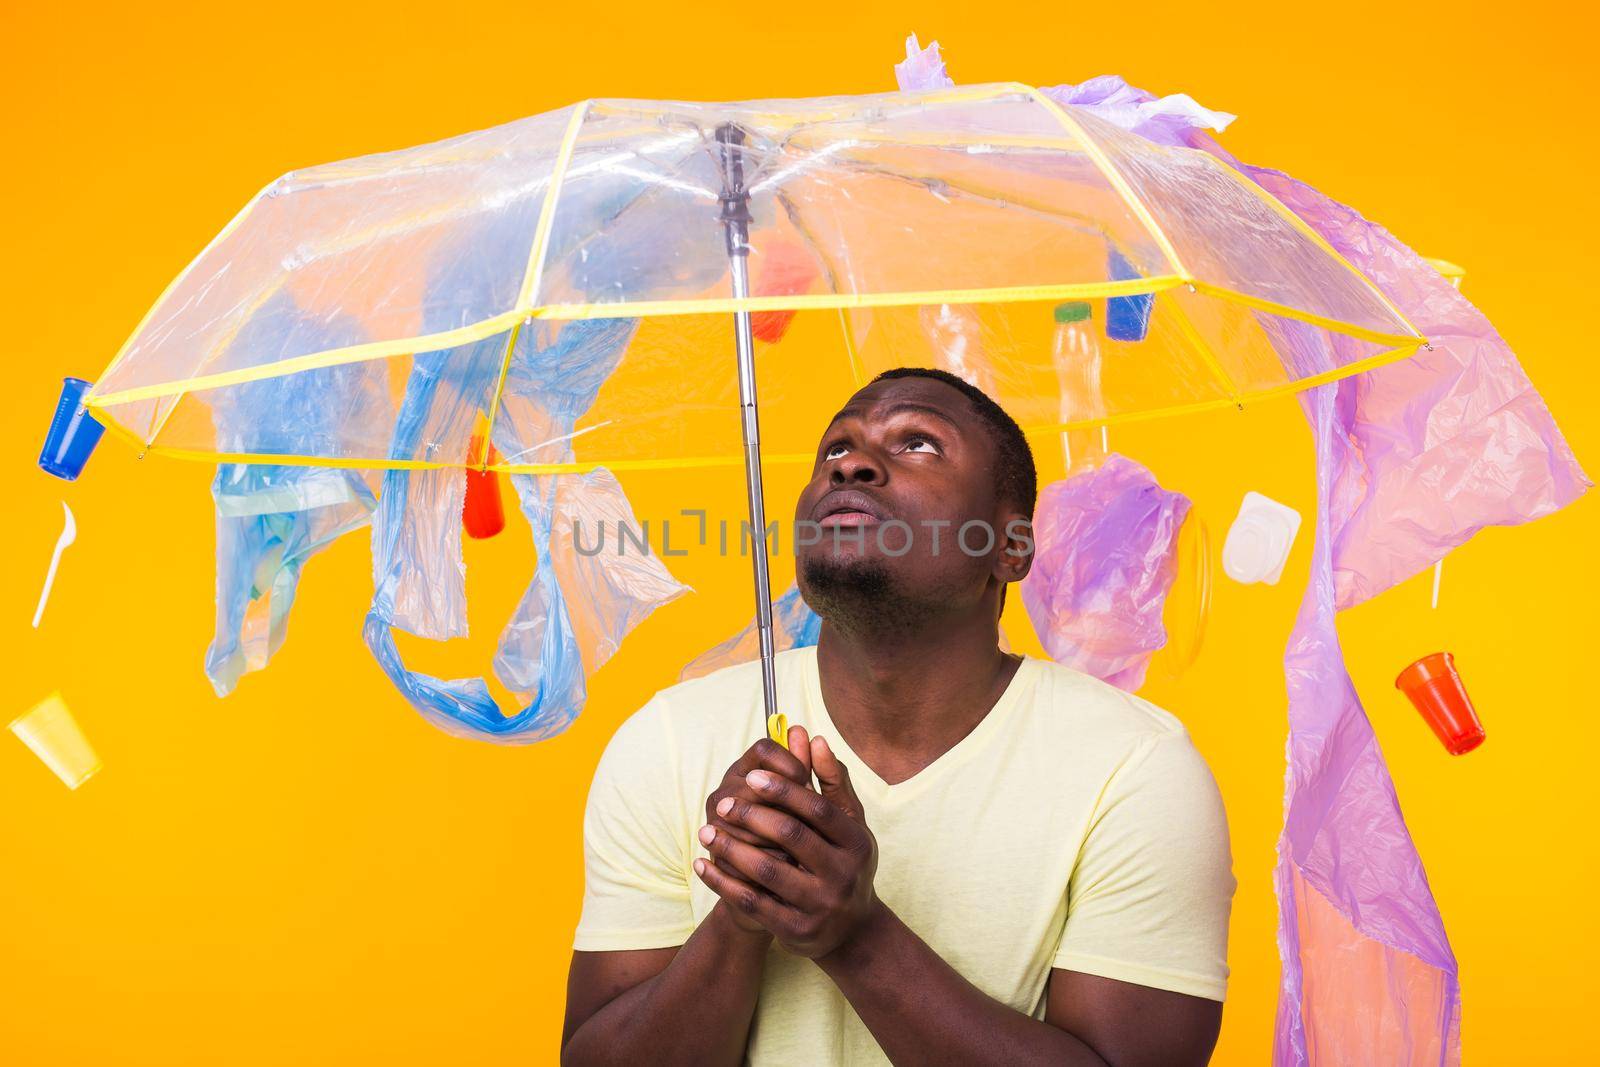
(766, 755)
(816, 904)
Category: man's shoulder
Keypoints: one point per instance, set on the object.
(736, 687)
(725, 703)
(1115, 736)
(1085, 706)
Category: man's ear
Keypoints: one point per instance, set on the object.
(1015, 558)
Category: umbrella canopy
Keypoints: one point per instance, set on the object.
(567, 289)
(936, 228)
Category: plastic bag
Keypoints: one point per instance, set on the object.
(1413, 458)
(1164, 119)
(272, 519)
(794, 625)
(578, 607)
(1105, 555)
(1367, 966)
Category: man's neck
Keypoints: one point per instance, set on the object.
(904, 700)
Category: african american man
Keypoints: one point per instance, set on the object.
(964, 856)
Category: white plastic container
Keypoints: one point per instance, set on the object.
(1259, 540)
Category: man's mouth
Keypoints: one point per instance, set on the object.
(847, 518)
(846, 507)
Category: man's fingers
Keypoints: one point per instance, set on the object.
(759, 867)
(800, 748)
(763, 755)
(833, 780)
(748, 837)
(746, 898)
(776, 827)
(738, 789)
(767, 754)
(812, 808)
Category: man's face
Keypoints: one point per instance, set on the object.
(901, 513)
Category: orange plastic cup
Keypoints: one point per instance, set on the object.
(1435, 688)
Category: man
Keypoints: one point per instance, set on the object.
(1002, 860)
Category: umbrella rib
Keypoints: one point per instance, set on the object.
(1185, 325)
(1114, 176)
(1293, 219)
(1381, 359)
(1109, 171)
(536, 259)
(547, 211)
(1207, 355)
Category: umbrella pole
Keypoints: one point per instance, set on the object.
(735, 216)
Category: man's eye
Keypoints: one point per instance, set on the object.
(921, 444)
(835, 451)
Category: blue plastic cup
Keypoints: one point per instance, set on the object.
(73, 433)
(1127, 317)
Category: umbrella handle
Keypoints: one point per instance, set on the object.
(778, 728)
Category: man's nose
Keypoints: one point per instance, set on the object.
(858, 466)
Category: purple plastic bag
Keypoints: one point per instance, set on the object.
(1413, 458)
(1105, 547)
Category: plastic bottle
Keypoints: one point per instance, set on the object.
(1077, 359)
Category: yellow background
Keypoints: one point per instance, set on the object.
(307, 871)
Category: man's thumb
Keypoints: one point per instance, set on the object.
(833, 778)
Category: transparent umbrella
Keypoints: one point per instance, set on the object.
(576, 282)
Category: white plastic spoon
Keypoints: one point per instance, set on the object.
(69, 534)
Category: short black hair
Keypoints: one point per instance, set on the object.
(1018, 481)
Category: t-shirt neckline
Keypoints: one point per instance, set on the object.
(865, 779)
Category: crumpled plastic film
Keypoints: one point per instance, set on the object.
(1413, 459)
(272, 519)
(578, 607)
(1368, 972)
(1105, 555)
(1163, 119)
(923, 68)
(1155, 118)
(1442, 444)
(794, 625)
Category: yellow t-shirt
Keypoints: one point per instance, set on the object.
(1076, 826)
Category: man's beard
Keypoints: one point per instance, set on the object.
(861, 596)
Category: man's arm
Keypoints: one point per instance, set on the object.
(691, 1004)
(918, 1007)
(921, 1010)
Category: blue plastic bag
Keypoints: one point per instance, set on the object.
(272, 519)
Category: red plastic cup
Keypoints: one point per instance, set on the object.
(784, 269)
(1435, 688)
(482, 513)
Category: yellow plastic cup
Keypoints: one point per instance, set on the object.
(53, 734)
